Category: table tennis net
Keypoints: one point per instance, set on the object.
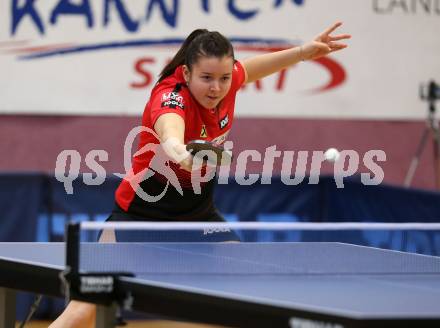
(251, 258)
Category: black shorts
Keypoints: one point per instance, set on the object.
(173, 207)
(205, 235)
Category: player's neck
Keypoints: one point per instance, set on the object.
(216, 109)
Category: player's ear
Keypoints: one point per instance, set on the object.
(186, 73)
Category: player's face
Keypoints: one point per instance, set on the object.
(210, 80)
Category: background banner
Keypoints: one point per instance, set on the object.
(103, 57)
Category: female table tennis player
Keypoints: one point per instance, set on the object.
(194, 98)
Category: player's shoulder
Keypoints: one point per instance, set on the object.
(175, 81)
(171, 90)
(238, 66)
(238, 74)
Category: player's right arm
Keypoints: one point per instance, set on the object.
(170, 128)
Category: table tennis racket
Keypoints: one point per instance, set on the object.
(223, 156)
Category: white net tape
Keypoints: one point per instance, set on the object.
(321, 226)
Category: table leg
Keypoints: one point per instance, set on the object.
(7, 308)
(105, 316)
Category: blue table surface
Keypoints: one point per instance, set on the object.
(331, 278)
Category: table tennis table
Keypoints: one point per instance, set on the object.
(297, 285)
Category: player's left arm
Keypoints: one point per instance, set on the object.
(263, 65)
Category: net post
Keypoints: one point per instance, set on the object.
(72, 247)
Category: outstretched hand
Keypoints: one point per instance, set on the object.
(324, 44)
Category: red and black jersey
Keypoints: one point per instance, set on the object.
(172, 96)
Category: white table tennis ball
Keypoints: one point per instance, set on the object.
(331, 154)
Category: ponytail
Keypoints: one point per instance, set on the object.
(199, 43)
(179, 57)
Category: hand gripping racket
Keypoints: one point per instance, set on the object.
(219, 156)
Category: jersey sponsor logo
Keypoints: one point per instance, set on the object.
(203, 132)
(173, 96)
(223, 122)
(172, 100)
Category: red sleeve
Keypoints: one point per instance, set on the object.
(238, 75)
(165, 101)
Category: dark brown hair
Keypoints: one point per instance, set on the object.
(200, 43)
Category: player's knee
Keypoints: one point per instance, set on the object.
(76, 314)
(84, 309)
